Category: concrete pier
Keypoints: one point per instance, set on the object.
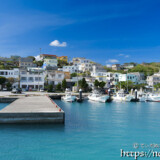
(36, 109)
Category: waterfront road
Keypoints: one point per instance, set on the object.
(36, 93)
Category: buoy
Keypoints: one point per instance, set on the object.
(60, 110)
(56, 106)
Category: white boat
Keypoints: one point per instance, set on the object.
(153, 97)
(142, 97)
(122, 97)
(95, 96)
(119, 96)
(129, 97)
(68, 96)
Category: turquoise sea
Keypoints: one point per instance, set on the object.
(92, 131)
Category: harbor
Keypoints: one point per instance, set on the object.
(33, 109)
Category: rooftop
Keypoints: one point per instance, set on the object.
(26, 59)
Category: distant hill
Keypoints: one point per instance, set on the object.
(147, 68)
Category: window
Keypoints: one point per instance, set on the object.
(30, 79)
(38, 79)
(59, 75)
(23, 72)
(23, 78)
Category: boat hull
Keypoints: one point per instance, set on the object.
(69, 99)
(99, 99)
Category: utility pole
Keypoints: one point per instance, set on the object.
(38, 78)
(127, 81)
(19, 78)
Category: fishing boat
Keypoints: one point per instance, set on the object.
(68, 96)
(120, 96)
(153, 97)
(97, 96)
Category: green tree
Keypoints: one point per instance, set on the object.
(39, 63)
(83, 84)
(157, 86)
(102, 84)
(11, 80)
(58, 87)
(74, 75)
(9, 86)
(96, 83)
(64, 84)
(46, 79)
(125, 85)
(2, 80)
(50, 88)
(139, 86)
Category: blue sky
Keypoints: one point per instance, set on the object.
(106, 31)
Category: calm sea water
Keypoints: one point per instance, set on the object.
(92, 131)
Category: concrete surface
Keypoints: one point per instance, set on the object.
(35, 109)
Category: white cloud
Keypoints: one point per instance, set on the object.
(56, 43)
(126, 56)
(123, 55)
(113, 61)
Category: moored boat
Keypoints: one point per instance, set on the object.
(68, 96)
(153, 97)
(96, 96)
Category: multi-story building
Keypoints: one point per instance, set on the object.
(32, 78)
(55, 77)
(14, 73)
(87, 66)
(128, 65)
(80, 60)
(116, 67)
(154, 79)
(77, 60)
(26, 62)
(140, 77)
(72, 69)
(96, 67)
(128, 77)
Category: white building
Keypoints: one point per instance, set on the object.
(71, 69)
(55, 77)
(84, 64)
(32, 78)
(154, 79)
(14, 73)
(128, 77)
(80, 60)
(83, 67)
(26, 62)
